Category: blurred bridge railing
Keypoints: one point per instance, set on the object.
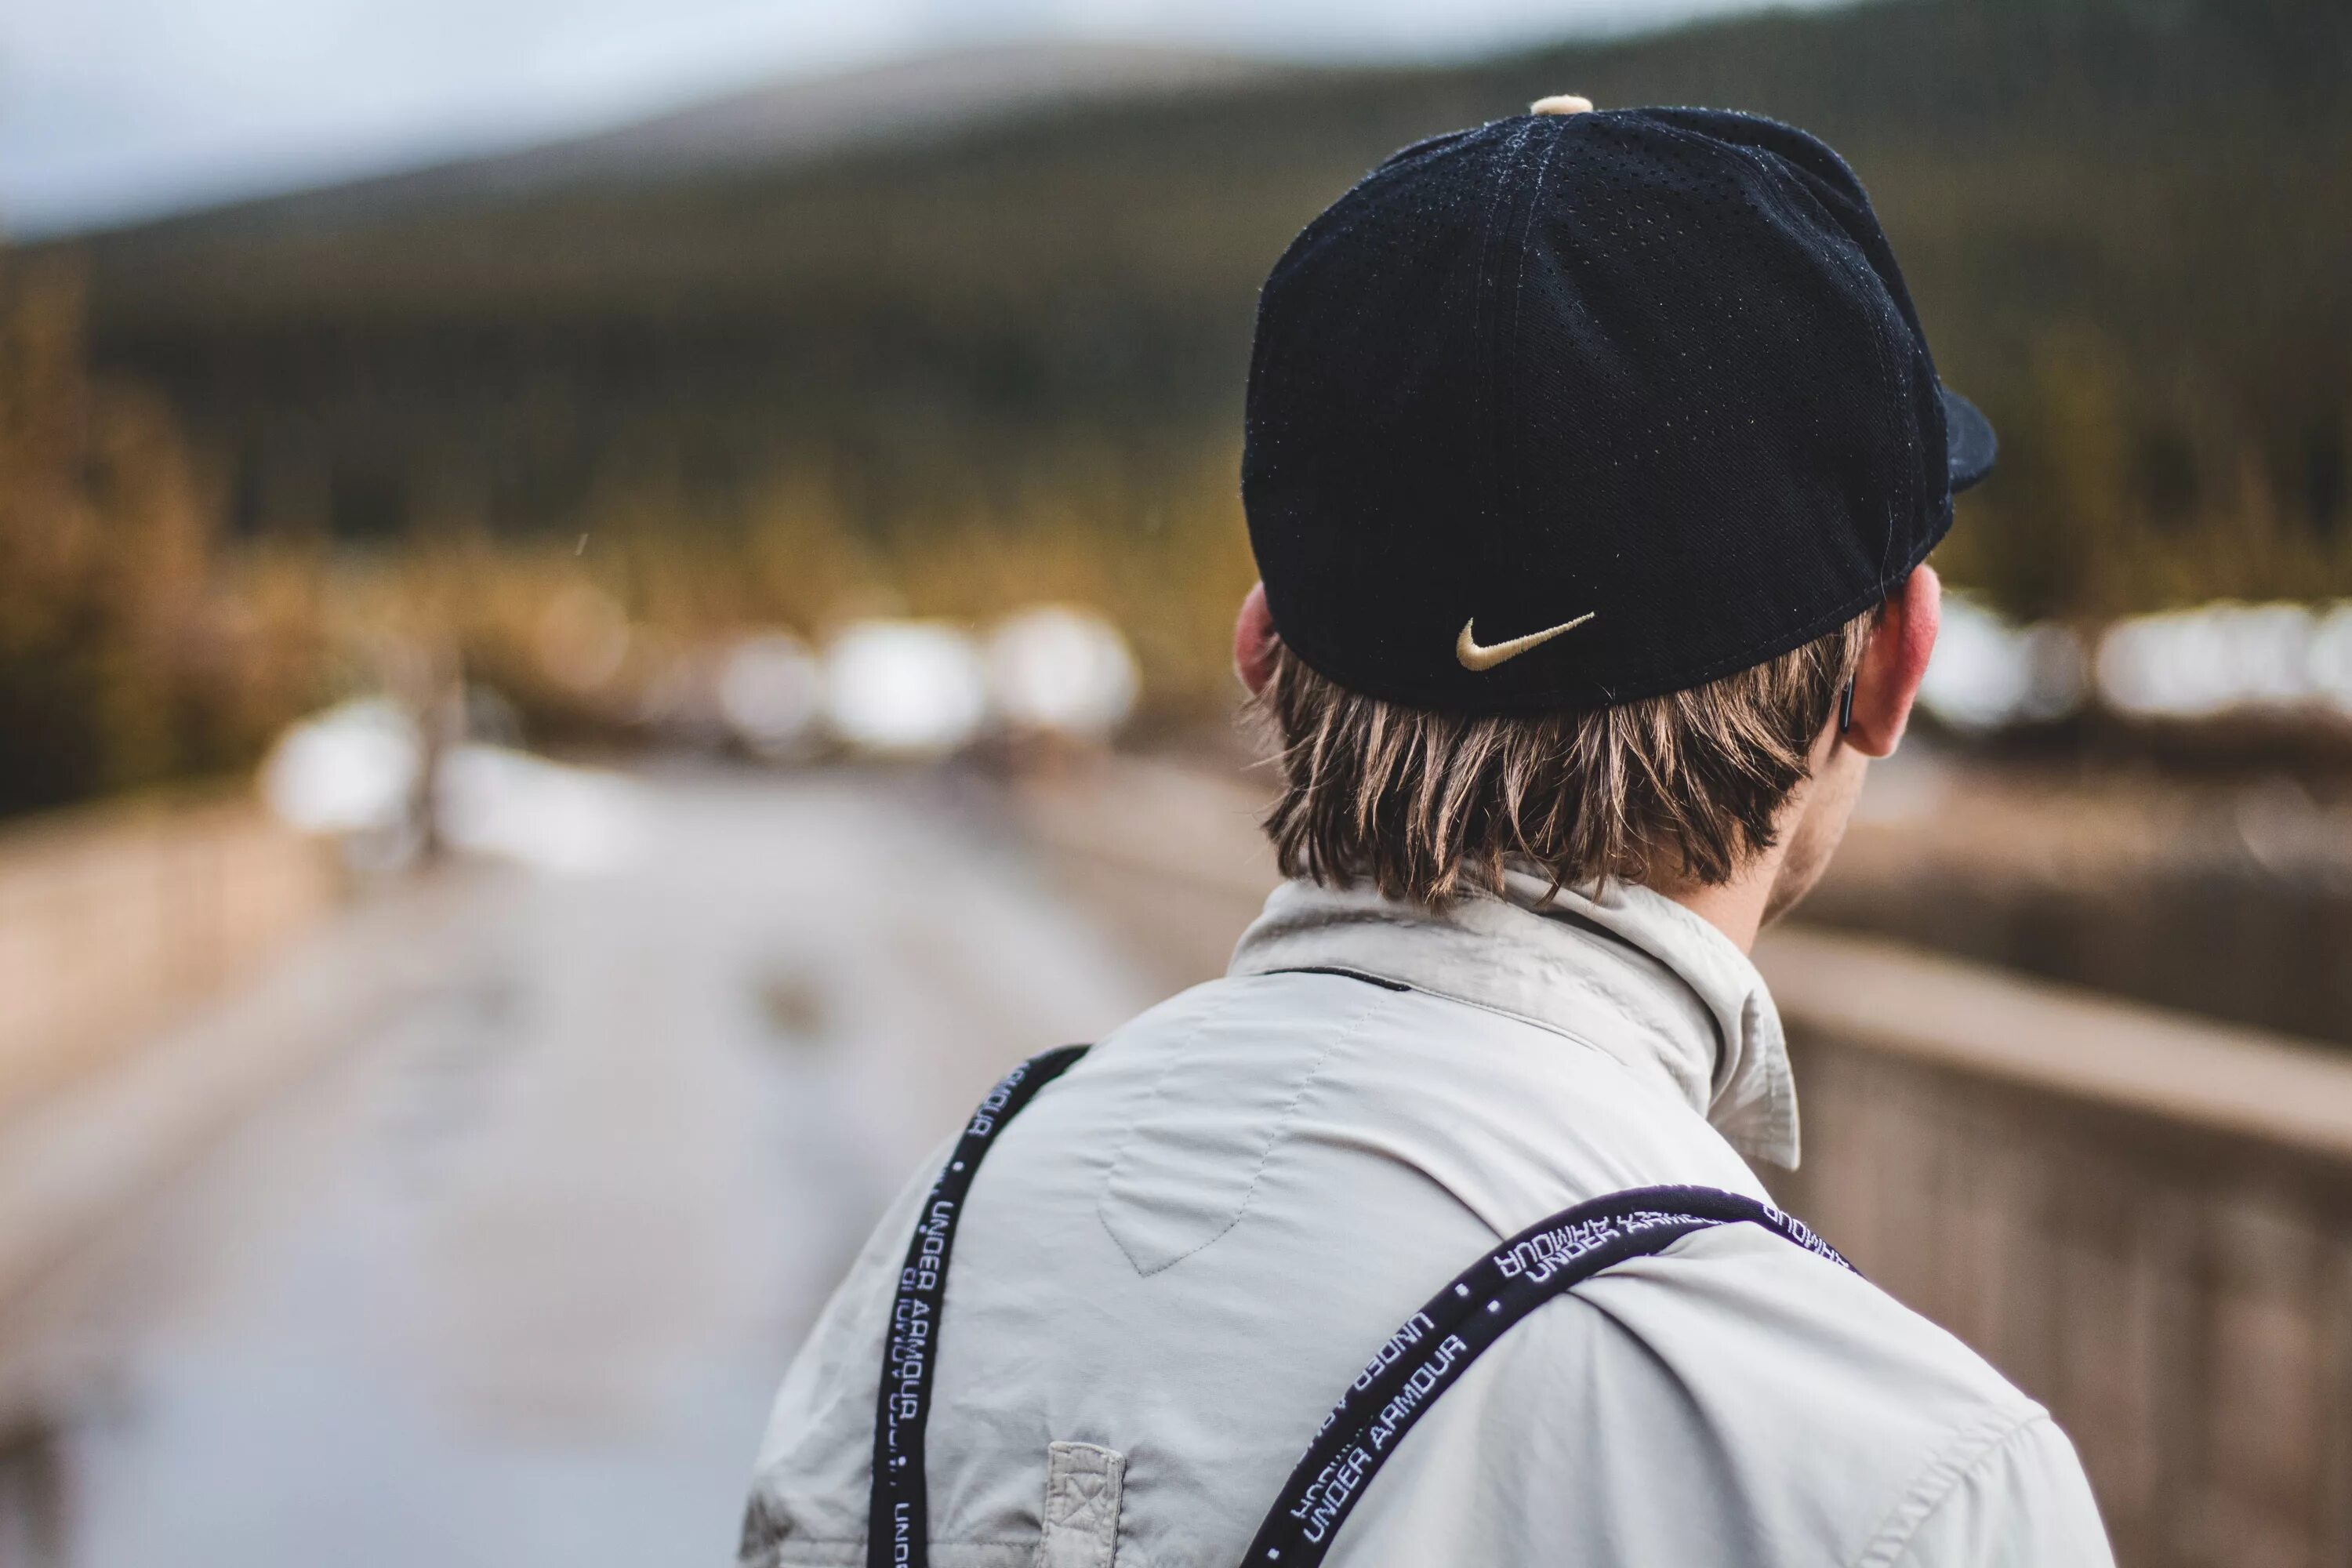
(2143, 1219)
(113, 918)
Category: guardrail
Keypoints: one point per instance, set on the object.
(2144, 1219)
(113, 917)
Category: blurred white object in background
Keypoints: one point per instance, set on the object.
(2329, 658)
(1062, 671)
(904, 688)
(770, 692)
(2194, 664)
(579, 821)
(1987, 674)
(351, 769)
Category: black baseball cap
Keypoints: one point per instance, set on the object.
(1579, 407)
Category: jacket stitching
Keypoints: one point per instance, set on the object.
(1935, 1485)
(1275, 1141)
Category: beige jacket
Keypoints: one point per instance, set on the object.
(1184, 1249)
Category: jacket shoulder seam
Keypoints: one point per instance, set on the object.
(1933, 1487)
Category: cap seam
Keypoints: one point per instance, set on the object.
(1483, 413)
(1519, 283)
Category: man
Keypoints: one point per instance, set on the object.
(1592, 461)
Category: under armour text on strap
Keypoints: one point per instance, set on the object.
(1405, 1375)
(1429, 1353)
(897, 1529)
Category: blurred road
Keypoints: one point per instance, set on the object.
(508, 1273)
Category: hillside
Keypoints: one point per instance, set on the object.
(2128, 223)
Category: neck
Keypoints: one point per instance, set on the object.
(1804, 833)
(1735, 908)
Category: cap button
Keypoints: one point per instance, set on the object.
(1561, 103)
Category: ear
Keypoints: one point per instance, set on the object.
(1894, 663)
(1254, 640)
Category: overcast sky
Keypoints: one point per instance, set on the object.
(113, 109)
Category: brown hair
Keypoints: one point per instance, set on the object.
(1428, 805)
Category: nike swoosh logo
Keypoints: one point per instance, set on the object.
(1476, 656)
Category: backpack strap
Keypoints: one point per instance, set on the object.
(898, 1521)
(1425, 1357)
(1419, 1361)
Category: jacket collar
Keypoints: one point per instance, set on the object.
(1630, 971)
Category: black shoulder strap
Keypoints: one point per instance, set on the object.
(1419, 1362)
(1427, 1356)
(898, 1522)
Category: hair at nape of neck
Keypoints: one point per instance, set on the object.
(1430, 807)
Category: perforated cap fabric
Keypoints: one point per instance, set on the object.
(1571, 409)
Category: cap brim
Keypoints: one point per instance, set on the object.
(1969, 445)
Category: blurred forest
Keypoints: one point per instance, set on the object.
(133, 648)
(947, 369)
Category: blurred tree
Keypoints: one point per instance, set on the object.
(568, 431)
(125, 658)
(2128, 223)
